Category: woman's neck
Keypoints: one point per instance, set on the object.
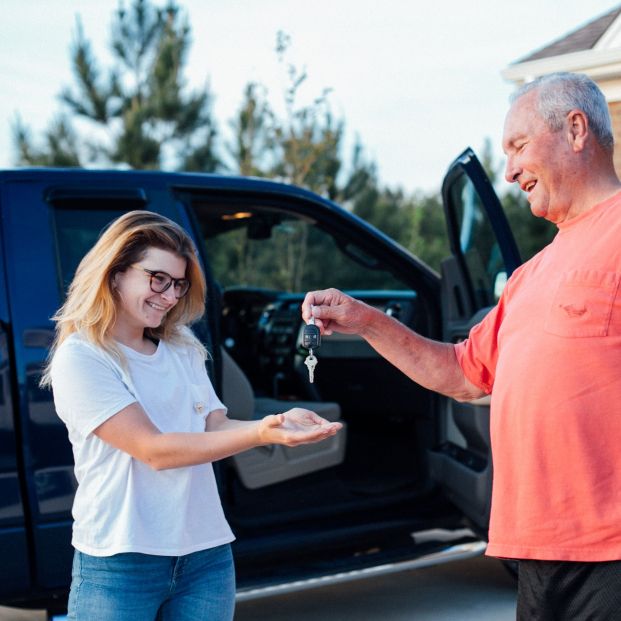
(134, 339)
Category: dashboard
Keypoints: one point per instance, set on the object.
(262, 330)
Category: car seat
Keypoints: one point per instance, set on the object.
(266, 465)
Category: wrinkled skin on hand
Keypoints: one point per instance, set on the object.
(334, 311)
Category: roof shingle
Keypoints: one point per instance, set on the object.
(583, 38)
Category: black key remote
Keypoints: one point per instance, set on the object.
(311, 337)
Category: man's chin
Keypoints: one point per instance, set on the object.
(537, 209)
(538, 213)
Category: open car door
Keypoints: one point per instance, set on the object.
(483, 256)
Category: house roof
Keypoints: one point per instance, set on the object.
(584, 38)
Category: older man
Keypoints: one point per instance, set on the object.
(551, 352)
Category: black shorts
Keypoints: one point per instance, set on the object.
(568, 591)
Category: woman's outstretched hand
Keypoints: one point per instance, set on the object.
(296, 426)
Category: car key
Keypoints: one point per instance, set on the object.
(311, 339)
(311, 363)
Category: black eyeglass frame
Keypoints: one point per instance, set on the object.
(171, 281)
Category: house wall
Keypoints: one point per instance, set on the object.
(611, 87)
(615, 115)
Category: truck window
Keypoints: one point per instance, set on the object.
(271, 249)
(77, 230)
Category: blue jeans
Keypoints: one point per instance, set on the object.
(143, 587)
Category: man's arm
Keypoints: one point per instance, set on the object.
(431, 364)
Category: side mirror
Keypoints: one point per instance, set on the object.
(499, 284)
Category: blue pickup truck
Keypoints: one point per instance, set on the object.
(406, 483)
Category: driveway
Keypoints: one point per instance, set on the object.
(477, 589)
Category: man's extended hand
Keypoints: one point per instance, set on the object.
(334, 311)
(296, 426)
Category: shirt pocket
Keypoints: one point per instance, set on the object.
(200, 403)
(582, 304)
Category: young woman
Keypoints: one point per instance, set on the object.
(129, 381)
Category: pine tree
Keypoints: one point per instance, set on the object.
(136, 113)
(252, 147)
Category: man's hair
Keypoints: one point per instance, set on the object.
(559, 93)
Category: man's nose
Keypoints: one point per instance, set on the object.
(512, 171)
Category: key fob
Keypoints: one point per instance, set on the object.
(311, 337)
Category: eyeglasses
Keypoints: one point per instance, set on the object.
(161, 281)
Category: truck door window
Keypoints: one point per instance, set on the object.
(77, 230)
(276, 250)
(478, 244)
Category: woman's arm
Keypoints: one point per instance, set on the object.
(132, 431)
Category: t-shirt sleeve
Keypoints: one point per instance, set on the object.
(87, 387)
(214, 401)
(201, 376)
(478, 354)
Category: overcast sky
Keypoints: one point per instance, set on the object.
(417, 82)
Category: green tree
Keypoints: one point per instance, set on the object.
(531, 233)
(138, 112)
(415, 221)
(303, 148)
(308, 139)
(61, 145)
(253, 143)
(429, 238)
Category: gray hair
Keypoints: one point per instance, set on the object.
(559, 93)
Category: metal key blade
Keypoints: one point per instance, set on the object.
(311, 363)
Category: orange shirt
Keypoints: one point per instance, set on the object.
(551, 352)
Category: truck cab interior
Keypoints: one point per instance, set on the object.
(368, 489)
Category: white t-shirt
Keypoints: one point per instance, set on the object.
(121, 504)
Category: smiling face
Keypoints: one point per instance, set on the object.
(138, 306)
(540, 160)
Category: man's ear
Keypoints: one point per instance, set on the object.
(577, 129)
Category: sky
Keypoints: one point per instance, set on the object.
(415, 82)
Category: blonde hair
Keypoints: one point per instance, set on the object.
(91, 304)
